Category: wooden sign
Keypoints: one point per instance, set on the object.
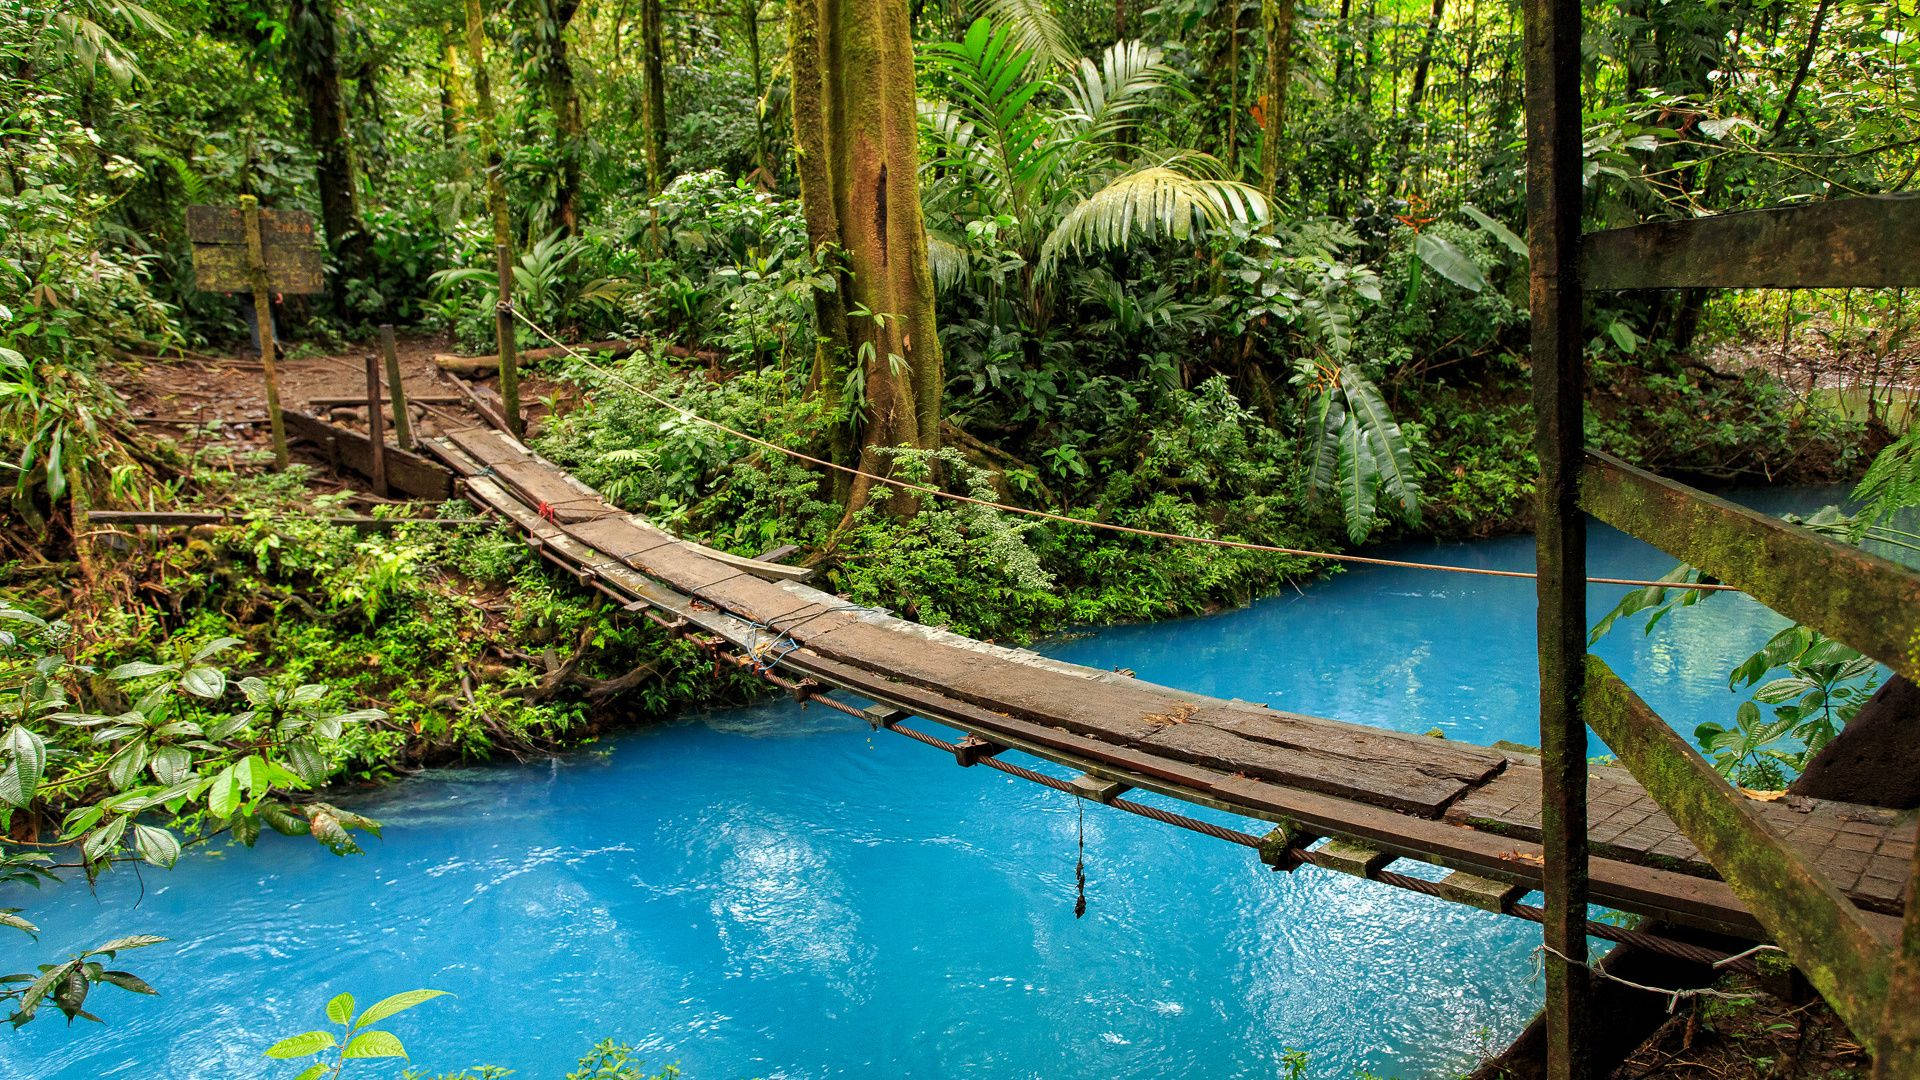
(219, 237)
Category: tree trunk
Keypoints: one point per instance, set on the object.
(653, 104)
(503, 328)
(315, 46)
(1277, 17)
(557, 87)
(750, 17)
(856, 139)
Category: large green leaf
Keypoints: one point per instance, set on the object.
(1164, 200)
(1449, 262)
(1496, 230)
(374, 1044)
(401, 1002)
(303, 1045)
(1358, 479)
(1391, 453)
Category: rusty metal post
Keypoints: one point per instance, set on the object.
(376, 428)
(1554, 183)
(263, 318)
(396, 391)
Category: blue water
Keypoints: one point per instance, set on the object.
(777, 892)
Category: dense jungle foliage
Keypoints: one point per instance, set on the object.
(1242, 270)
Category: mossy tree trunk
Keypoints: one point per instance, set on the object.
(314, 44)
(856, 141)
(493, 163)
(653, 106)
(555, 74)
(1277, 17)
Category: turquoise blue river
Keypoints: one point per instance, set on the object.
(778, 892)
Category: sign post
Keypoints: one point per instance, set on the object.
(247, 249)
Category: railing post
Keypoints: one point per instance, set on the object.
(396, 392)
(1554, 187)
(263, 317)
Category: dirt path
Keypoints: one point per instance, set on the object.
(218, 403)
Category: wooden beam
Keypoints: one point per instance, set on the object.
(409, 472)
(1556, 168)
(1868, 602)
(1827, 937)
(1861, 243)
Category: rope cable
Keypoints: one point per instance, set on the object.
(1048, 515)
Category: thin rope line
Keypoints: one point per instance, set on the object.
(1048, 515)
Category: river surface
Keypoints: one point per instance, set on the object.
(778, 892)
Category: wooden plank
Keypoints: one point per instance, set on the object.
(1826, 936)
(1685, 900)
(291, 252)
(1626, 824)
(406, 471)
(1871, 603)
(1483, 893)
(1859, 243)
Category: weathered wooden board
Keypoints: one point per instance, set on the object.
(1871, 603)
(219, 238)
(406, 471)
(1864, 243)
(1863, 849)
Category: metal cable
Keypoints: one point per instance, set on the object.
(1047, 515)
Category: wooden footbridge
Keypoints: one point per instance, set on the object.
(1344, 796)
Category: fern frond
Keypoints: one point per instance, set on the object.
(1158, 200)
(1035, 27)
(1892, 483)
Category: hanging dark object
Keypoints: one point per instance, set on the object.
(1080, 868)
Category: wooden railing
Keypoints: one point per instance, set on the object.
(1869, 603)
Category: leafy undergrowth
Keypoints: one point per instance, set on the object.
(469, 645)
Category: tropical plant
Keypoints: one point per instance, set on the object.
(1824, 687)
(1359, 451)
(1042, 157)
(357, 1039)
(67, 982)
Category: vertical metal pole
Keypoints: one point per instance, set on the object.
(396, 390)
(263, 318)
(376, 428)
(1554, 186)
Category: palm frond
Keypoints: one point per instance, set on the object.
(1154, 201)
(1036, 27)
(1101, 95)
